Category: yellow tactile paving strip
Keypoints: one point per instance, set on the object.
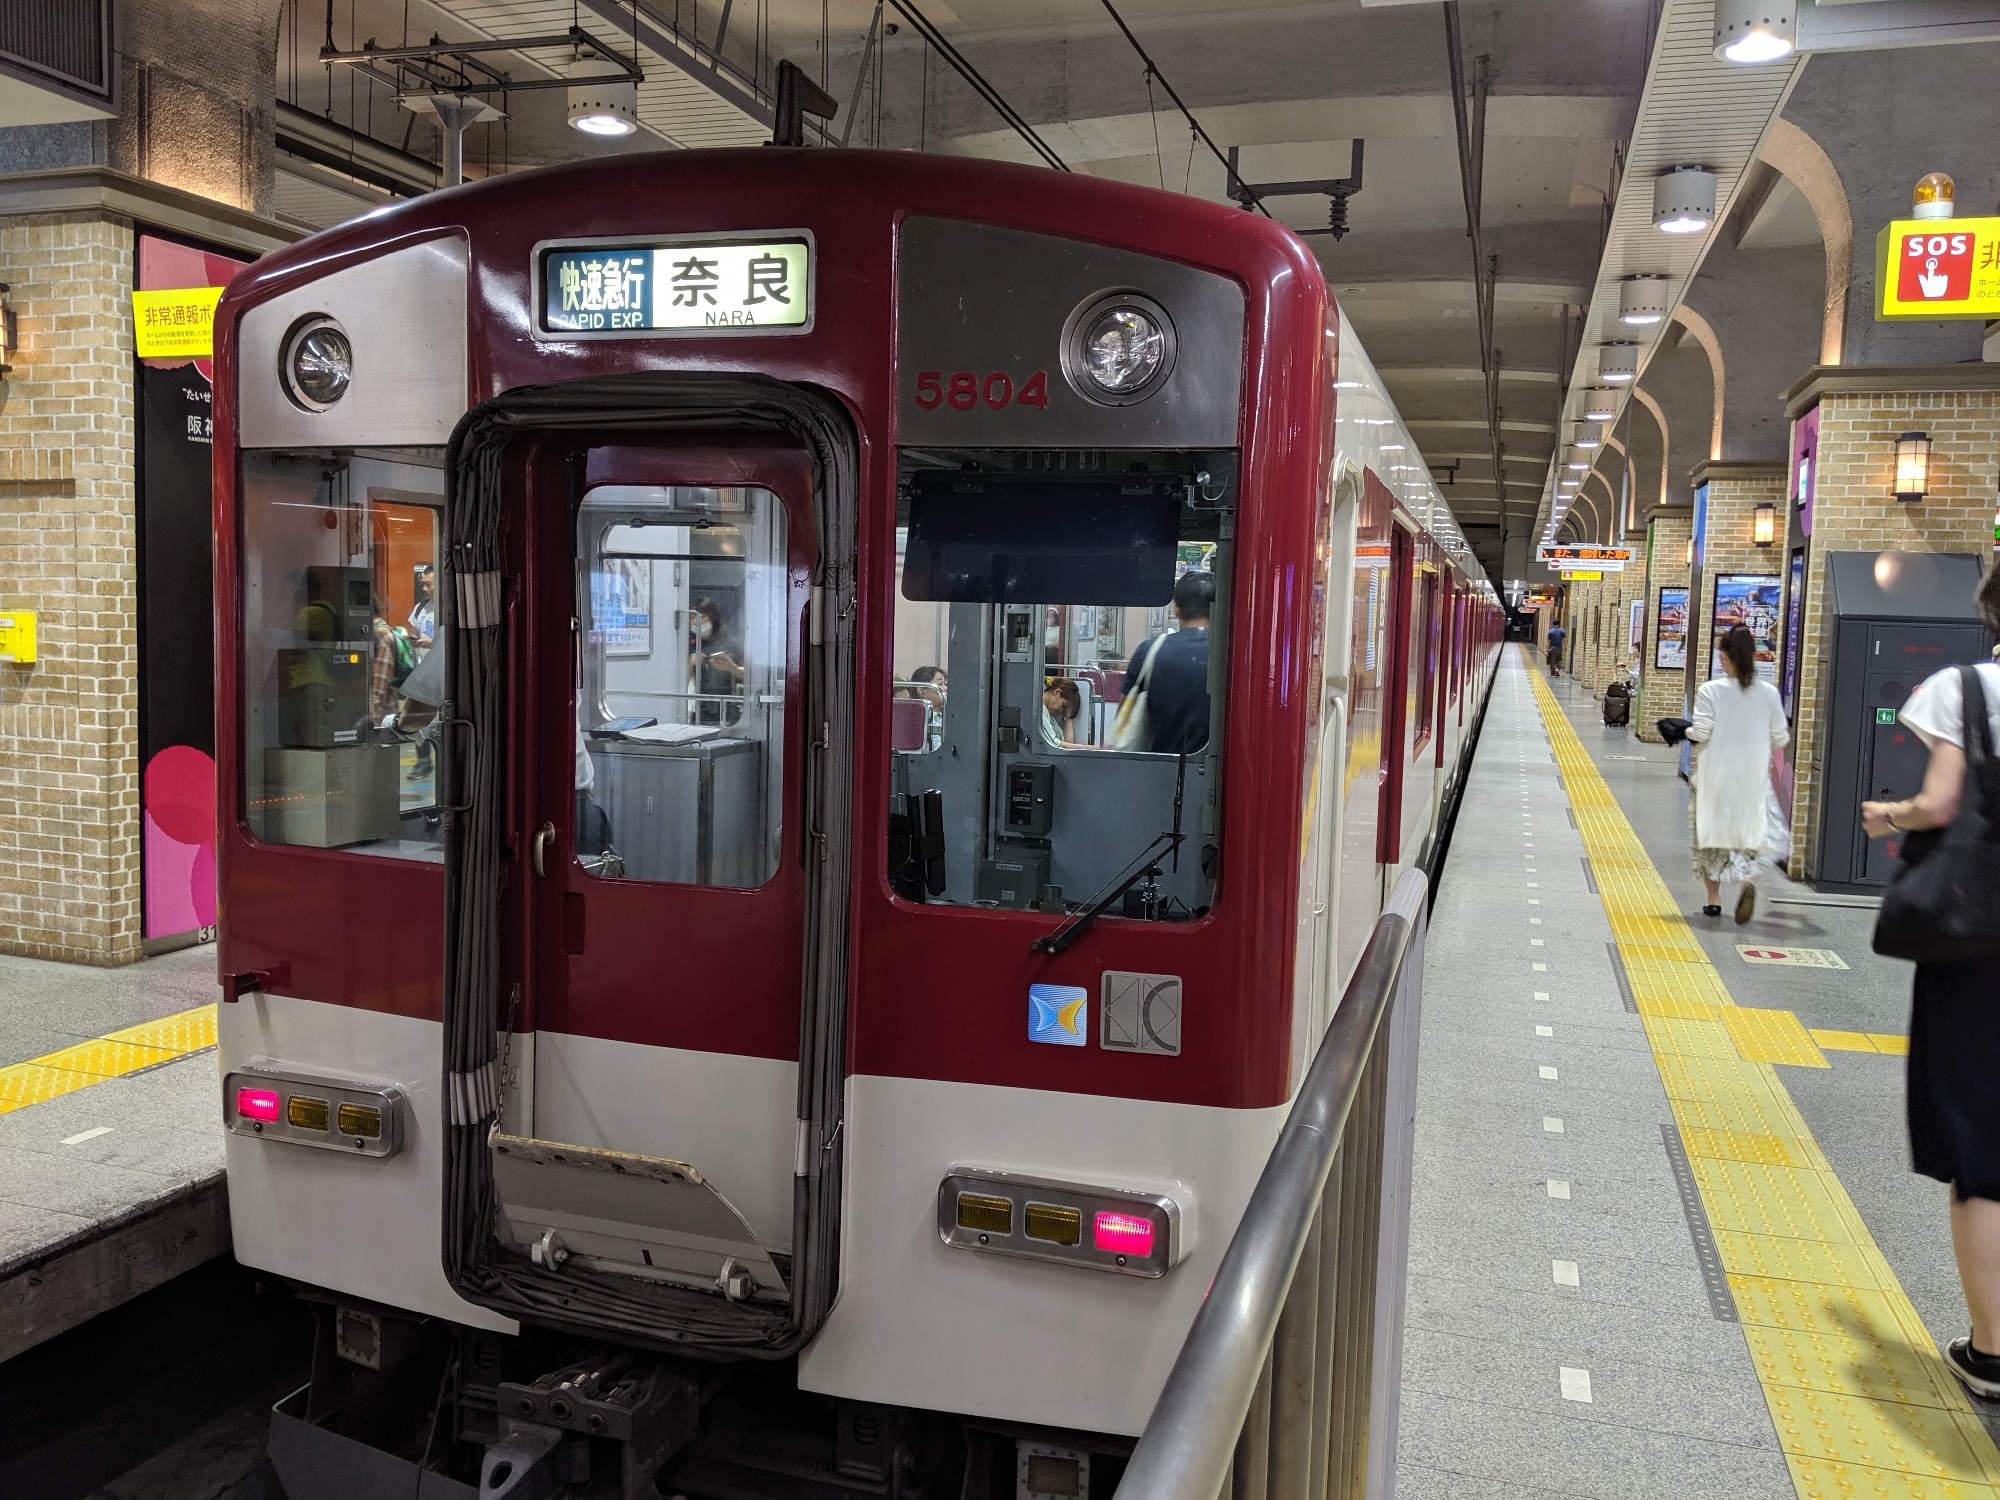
(127, 1051)
(1861, 1399)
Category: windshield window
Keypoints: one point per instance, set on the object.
(1061, 631)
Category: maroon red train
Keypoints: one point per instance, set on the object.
(934, 666)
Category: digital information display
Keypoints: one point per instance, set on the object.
(718, 286)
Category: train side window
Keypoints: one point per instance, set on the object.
(341, 676)
(1058, 679)
(681, 677)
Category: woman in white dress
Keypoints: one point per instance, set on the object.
(1738, 723)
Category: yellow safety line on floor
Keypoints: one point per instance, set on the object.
(113, 1056)
(1862, 1401)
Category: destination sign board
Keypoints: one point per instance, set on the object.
(678, 286)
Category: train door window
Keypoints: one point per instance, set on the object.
(681, 673)
(1424, 659)
(1061, 629)
(341, 676)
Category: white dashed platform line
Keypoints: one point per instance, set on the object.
(1575, 1383)
(1558, 1188)
(1565, 1273)
(1552, 1125)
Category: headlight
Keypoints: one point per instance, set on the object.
(318, 363)
(1118, 349)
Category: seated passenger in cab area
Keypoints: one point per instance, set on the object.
(1172, 672)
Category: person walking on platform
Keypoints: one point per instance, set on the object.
(1557, 635)
(1952, 1101)
(1739, 723)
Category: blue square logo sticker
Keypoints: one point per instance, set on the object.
(1058, 1014)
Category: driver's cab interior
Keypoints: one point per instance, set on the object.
(1061, 645)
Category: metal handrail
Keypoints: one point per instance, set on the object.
(1225, 1366)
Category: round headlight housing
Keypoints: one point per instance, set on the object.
(1118, 349)
(317, 365)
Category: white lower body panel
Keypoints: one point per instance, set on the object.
(920, 1324)
(367, 1226)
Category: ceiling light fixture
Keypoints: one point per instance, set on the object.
(1588, 436)
(1684, 200)
(1618, 362)
(1642, 300)
(1599, 405)
(602, 105)
(1755, 31)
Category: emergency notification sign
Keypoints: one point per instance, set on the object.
(689, 286)
(1938, 268)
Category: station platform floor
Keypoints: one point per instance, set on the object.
(1665, 1237)
(110, 1160)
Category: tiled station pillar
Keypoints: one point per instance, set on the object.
(1664, 565)
(1728, 547)
(1862, 409)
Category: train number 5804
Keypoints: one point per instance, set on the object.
(962, 390)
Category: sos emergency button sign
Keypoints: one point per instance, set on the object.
(1938, 268)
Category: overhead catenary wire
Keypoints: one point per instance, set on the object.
(1153, 71)
(944, 49)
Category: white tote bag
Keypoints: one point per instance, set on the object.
(1133, 728)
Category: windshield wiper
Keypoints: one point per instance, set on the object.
(1146, 864)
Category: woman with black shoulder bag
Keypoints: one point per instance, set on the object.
(1942, 909)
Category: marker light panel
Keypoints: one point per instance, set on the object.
(273, 1104)
(1094, 1228)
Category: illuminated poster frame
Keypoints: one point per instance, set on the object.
(1670, 638)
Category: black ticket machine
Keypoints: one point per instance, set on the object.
(1894, 618)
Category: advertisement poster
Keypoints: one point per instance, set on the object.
(1670, 650)
(176, 625)
(1754, 601)
(1795, 614)
(1637, 637)
(621, 606)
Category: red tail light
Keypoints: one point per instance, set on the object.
(257, 1104)
(1123, 1234)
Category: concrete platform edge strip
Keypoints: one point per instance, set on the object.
(1862, 1401)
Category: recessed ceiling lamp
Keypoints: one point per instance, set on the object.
(602, 105)
(1684, 200)
(1599, 405)
(1618, 362)
(1642, 300)
(1755, 31)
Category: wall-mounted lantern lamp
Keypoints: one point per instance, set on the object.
(1688, 560)
(1764, 524)
(10, 330)
(1913, 465)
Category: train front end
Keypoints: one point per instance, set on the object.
(822, 903)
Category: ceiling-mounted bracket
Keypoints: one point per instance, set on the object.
(1337, 190)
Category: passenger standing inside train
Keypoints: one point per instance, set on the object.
(715, 665)
(1177, 686)
(1952, 1104)
(1739, 723)
(423, 616)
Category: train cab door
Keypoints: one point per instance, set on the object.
(663, 934)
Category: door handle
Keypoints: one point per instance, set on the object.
(544, 836)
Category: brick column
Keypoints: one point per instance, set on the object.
(1862, 410)
(70, 827)
(1661, 691)
(69, 723)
